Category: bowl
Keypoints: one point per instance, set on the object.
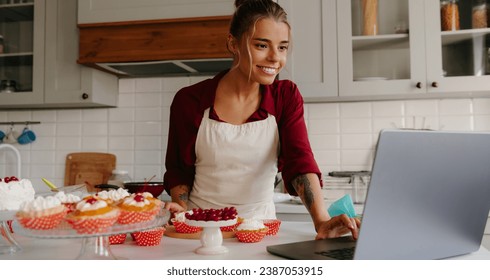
(155, 188)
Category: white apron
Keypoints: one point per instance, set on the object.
(236, 166)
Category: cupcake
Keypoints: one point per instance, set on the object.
(41, 213)
(138, 207)
(250, 231)
(181, 226)
(273, 226)
(113, 196)
(117, 238)
(232, 227)
(151, 237)
(68, 200)
(92, 215)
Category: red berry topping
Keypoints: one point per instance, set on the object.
(227, 213)
(91, 200)
(139, 198)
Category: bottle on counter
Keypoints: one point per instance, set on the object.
(449, 15)
(119, 178)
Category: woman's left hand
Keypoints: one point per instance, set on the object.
(173, 207)
(338, 226)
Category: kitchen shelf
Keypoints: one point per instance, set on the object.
(391, 41)
(454, 37)
(17, 12)
(16, 59)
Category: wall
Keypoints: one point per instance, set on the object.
(343, 135)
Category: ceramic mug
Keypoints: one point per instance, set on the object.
(11, 137)
(27, 136)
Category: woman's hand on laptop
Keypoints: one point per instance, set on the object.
(338, 226)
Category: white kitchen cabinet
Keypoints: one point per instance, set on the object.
(423, 62)
(68, 83)
(312, 62)
(51, 77)
(22, 58)
(100, 11)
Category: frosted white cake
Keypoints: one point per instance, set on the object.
(14, 193)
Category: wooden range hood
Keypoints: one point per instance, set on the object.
(170, 47)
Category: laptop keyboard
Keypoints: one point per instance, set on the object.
(339, 254)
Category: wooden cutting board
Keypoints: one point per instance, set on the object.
(170, 232)
(93, 168)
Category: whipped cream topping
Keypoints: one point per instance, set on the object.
(40, 203)
(83, 205)
(114, 195)
(13, 194)
(251, 224)
(67, 198)
(131, 201)
(180, 217)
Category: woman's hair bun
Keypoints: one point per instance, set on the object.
(238, 3)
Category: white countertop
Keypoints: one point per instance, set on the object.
(176, 249)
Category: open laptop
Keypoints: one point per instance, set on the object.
(428, 198)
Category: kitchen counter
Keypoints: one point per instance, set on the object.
(176, 249)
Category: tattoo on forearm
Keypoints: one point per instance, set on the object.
(303, 187)
(184, 195)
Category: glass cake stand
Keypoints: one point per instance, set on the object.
(8, 245)
(211, 237)
(95, 246)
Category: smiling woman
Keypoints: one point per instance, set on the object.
(229, 136)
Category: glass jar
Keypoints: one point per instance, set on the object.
(8, 86)
(479, 15)
(119, 178)
(369, 17)
(449, 15)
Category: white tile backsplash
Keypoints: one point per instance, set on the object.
(342, 135)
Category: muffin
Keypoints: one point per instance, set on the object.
(273, 226)
(41, 213)
(250, 231)
(138, 207)
(151, 237)
(181, 226)
(92, 215)
(68, 200)
(232, 227)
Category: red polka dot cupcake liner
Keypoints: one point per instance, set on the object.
(273, 225)
(232, 227)
(92, 225)
(132, 217)
(251, 236)
(43, 222)
(117, 239)
(150, 237)
(181, 227)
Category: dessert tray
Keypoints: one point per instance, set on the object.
(94, 245)
(8, 245)
(211, 237)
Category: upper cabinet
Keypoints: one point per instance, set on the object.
(388, 49)
(312, 62)
(40, 57)
(22, 52)
(100, 11)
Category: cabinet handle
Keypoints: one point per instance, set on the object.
(419, 85)
(84, 96)
(434, 84)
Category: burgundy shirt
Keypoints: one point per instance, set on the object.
(282, 99)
